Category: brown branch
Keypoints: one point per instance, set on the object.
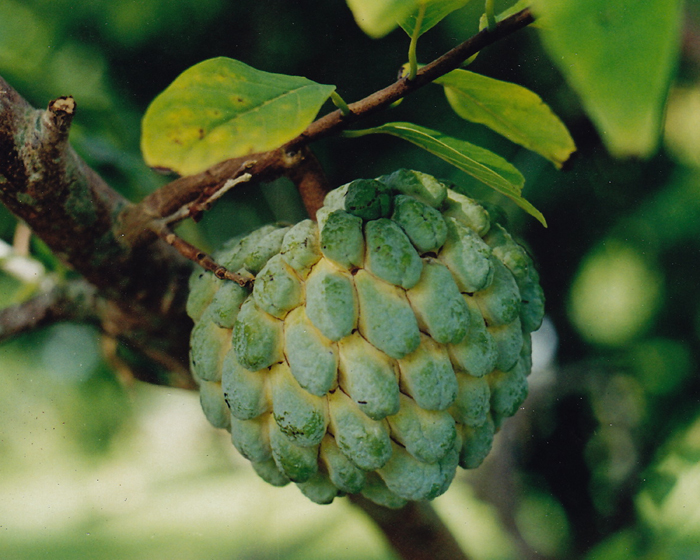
(336, 121)
(74, 301)
(283, 161)
(65, 203)
(415, 531)
(199, 257)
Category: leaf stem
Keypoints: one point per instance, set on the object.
(490, 16)
(412, 47)
(340, 103)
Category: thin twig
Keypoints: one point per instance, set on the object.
(197, 207)
(191, 252)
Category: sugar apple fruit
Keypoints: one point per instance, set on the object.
(380, 347)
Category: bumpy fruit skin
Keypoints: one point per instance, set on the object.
(379, 349)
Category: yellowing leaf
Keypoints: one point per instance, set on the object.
(221, 109)
(511, 110)
(478, 162)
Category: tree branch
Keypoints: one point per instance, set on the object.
(283, 161)
(336, 121)
(45, 183)
(415, 531)
(72, 301)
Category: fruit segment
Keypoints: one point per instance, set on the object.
(252, 437)
(390, 254)
(439, 307)
(424, 225)
(368, 377)
(420, 186)
(226, 304)
(426, 434)
(342, 240)
(467, 212)
(500, 301)
(277, 289)
(509, 341)
(386, 318)
(298, 463)
(347, 476)
(473, 400)
(208, 346)
(245, 391)
(468, 257)
(300, 247)
(426, 374)
(476, 443)
(257, 337)
(367, 199)
(477, 353)
(364, 441)
(330, 301)
(301, 416)
(313, 358)
(268, 471)
(409, 478)
(213, 404)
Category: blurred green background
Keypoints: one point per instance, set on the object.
(603, 462)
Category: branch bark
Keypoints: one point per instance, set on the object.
(46, 184)
(72, 301)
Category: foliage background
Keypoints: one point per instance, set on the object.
(604, 460)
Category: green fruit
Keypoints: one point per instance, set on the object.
(380, 347)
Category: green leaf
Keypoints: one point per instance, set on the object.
(221, 109)
(620, 57)
(379, 17)
(435, 12)
(481, 164)
(511, 110)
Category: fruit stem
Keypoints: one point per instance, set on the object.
(416, 531)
